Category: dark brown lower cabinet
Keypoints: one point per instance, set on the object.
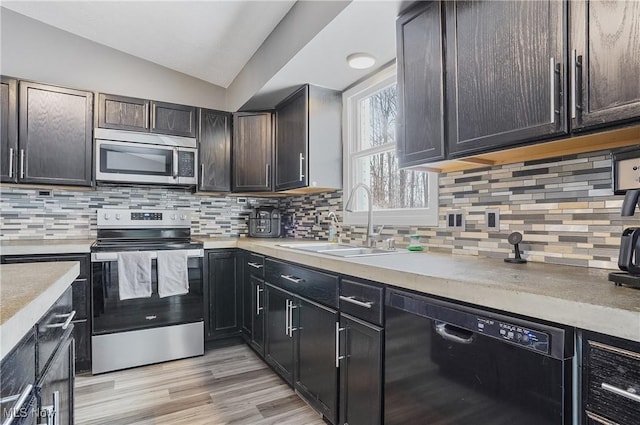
(223, 299)
(360, 372)
(279, 346)
(55, 388)
(316, 377)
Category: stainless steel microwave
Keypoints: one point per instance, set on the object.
(131, 157)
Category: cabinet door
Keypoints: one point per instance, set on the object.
(420, 86)
(55, 135)
(504, 73)
(215, 151)
(257, 314)
(292, 141)
(252, 141)
(360, 373)
(317, 374)
(222, 317)
(279, 341)
(177, 120)
(55, 388)
(8, 130)
(82, 338)
(605, 62)
(123, 113)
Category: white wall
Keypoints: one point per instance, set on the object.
(32, 50)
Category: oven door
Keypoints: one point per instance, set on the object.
(110, 314)
(145, 163)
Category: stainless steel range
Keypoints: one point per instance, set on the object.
(138, 317)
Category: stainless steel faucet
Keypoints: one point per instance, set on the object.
(348, 207)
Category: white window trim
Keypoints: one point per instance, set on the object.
(393, 217)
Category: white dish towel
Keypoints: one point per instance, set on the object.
(173, 275)
(134, 274)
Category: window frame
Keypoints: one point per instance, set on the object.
(351, 135)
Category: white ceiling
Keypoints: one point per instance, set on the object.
(214, 39)
(363, 26)
(210, 40)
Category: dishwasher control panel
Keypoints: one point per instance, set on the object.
(515, 334)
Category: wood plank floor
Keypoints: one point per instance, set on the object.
(228, 385)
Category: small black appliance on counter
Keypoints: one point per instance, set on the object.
(629, 257)
(265, 222)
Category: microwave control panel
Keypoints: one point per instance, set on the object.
(186, 164)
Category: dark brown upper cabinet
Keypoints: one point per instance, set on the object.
(308, 142)
(55, 135)
(130, 113)
(420, 135)
(123, 113)
(252, 151)
(170, 118)
(8, 129)
(214, 139)
(604, 60)
(505, 74)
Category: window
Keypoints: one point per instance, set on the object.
(399, 197)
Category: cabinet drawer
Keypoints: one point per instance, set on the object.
(52, 327)
(362, 300)
(255, 265)
(612, 383)
(314, 285)
(17, 372)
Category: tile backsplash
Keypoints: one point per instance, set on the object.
(564, 208)
(70, 214)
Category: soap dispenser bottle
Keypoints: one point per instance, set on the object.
(333, 227)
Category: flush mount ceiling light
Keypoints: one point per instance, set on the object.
(361, 60)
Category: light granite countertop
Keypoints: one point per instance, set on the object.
(27, 291)
(45, 246)
(575, 296)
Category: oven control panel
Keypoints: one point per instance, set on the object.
(515, 334)
(146, 216)
(122, 219)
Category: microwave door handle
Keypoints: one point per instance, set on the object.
(175, 163)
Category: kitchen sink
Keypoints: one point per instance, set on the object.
(340, 250)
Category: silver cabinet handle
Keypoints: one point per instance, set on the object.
(301, 172)
(258, 308)
(266, 174)
(291, 278)
(628, 394)
(175, 163)
(66, 323)
(53, 409)
(338, 356)
(352, 300)
(255, 265)
(574, 65)
(22, 397)
(286, 320)
(21, 163)
(552, 85)
(10, 162)
(291, 328)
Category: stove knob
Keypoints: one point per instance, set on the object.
(107, 216)
(183, 217)
(118, 216)
(173, 216)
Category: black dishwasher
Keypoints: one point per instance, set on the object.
(448, 364)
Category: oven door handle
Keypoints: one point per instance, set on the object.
(102, 257)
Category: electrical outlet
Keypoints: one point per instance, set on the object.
(492, 220)
(455, 220)
(241, 200)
